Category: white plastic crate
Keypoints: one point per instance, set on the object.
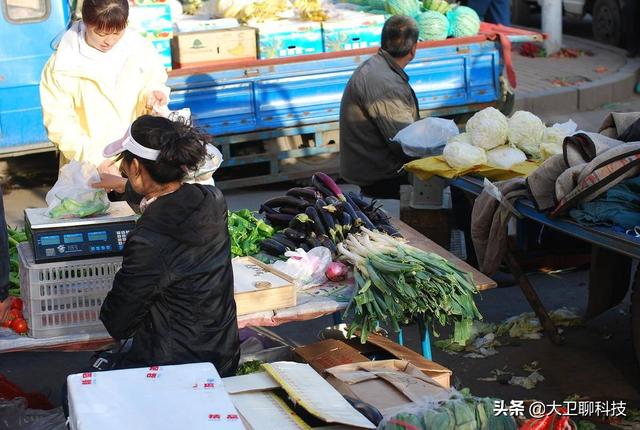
(65, 297)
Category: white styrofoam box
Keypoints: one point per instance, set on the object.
(65, 297)
(187, 396)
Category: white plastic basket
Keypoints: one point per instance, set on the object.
(64, 298)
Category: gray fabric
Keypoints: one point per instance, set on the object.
(377, 103)
(541, 183)
(615, 123)
(489, 224)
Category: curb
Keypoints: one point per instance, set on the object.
(587, 96)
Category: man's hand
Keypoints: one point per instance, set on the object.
(111, 183)
(108, 167)
(156, 99)
(5, 307)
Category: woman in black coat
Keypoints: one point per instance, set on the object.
(173, 295)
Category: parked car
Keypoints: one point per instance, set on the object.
(606, 16)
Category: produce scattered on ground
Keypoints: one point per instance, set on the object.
(396, 282)
(319, 215)
(246, 232)
(486, 337)
(505, 376)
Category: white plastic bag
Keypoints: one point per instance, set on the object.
(204, 174)
(307, 268)
(426, 137)
(505, 156)
(72, 196)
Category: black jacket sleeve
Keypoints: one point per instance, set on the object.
(135, 287)
(4, 254)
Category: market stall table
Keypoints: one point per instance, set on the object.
(598, 237)
(316, 302)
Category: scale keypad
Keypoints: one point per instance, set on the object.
(122, 237)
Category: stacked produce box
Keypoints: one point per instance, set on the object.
(285, 28)
(152, 19)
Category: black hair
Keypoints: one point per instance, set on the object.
(182, 147)
(109, 16)
(399, 35)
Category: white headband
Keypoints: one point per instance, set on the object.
(128, 143)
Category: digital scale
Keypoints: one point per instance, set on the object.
(78, 238)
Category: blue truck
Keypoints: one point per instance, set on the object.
(274, 119)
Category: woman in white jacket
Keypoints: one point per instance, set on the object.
(101, 78)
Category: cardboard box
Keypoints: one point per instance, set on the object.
(353, 31)
(328, 353)
(164, 50)
(386, 385)
(152, 21)
(255, 397)
(380, 348)
(287, 38)
(188, 396)
(332, 352)
(229, 44)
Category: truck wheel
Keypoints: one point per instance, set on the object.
(520, 12)
(607, 22)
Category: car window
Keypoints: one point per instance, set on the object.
(19, 11)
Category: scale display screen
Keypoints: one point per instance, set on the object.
(97, 236)
(50, 240)
(73, 238)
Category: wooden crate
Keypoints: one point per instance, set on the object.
(259, 287)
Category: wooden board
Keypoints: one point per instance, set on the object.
(482, 281)
(277, 291)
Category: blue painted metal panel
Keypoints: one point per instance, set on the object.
(21, 63)
(309, 92)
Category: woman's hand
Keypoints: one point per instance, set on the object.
(156, 99)
(110, 182)
(109, 167)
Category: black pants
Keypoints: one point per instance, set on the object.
(386, 189)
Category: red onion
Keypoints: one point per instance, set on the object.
(336, 271)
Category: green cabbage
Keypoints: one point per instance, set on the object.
(525, 132)
(488, 128)
(463, 22)
(432, 25)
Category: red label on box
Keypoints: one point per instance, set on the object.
(154, 368)
(87, 375)
(232, 417)
(87, 382)
(152, 375)
(214, 417)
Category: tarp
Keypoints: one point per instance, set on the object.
(426, 168)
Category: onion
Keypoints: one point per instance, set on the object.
(336, 271)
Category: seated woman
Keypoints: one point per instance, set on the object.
(173, 295)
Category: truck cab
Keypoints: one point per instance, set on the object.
(29, 30)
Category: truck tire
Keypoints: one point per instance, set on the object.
(520, 12)
(607, 22)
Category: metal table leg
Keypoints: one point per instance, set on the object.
(532, 298)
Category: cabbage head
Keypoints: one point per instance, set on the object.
(488, 128)
(505, 156)
(525, 132)
(459, 153)
(463, 22)
(432, 25)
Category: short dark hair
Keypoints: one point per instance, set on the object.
(107, 16)
(182, 147)
(399, 35)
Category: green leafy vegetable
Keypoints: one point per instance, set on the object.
(71, 208)
(15, 236)
(246, 232)
(251, 366)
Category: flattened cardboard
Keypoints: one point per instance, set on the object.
(386, 384)
(439, 373)
(328, 353)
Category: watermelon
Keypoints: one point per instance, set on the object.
(463, 22)
(432, 25)
(403, 7)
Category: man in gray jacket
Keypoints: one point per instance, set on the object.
(377, 103)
